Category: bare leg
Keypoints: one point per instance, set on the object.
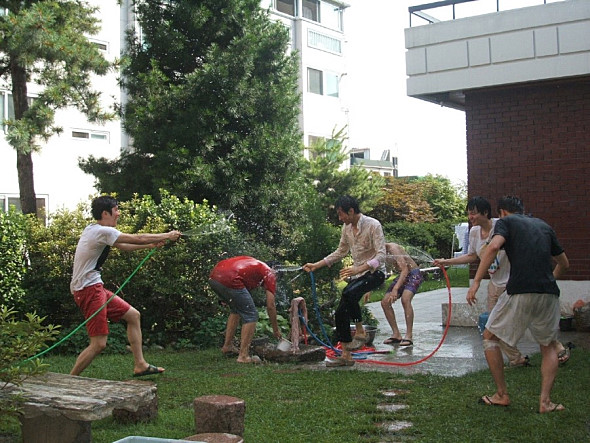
(230, 332)
(390, 316)
(514, 356)
(133, 319)
(248, 330)
(96, 346)
(407, 297)
(360, 329)
(549, 365)
(495, 361)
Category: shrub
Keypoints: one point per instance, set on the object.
(19, 340)
(12, 256)
(170, 290)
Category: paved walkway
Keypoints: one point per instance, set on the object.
(460, 353)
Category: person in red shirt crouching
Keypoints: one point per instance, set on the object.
(232, 280)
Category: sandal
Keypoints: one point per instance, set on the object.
(526, 362)
(392, 341)
(151, 370)
(564, 356)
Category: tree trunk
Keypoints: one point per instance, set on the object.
(24, 160)
(26, 185)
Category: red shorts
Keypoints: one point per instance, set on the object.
(90, 299)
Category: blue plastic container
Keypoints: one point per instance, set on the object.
(483, 319)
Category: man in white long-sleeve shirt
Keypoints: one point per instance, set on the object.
(363, 238)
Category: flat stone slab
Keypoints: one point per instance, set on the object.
(81, 398)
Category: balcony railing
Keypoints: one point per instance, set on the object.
(449, 6)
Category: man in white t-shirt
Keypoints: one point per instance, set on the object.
(88, 290)
(479, 212)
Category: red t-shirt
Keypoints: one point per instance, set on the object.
(244, 272)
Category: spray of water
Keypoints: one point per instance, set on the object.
(219, 226)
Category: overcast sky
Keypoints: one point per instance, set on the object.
(425, 137)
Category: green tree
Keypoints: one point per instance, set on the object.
(212, 111)
(324, 173)
(402, 200)
(446, 200)
(425, 199)
(46, 42)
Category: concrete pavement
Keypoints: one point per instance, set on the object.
(461, 351)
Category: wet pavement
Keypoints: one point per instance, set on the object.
(461, 350)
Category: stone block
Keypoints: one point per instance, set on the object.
(461, 314)
(219, 413)
(46, 428)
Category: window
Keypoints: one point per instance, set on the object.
(314, 81)
(8, 200)
(7, 107)
(323, 42)
(311, 10)
(331, 15)
(82, 134)
(101, 45)
(331, 84)
(286, 7)
(323, 83)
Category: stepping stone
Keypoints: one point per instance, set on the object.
(394, 426)
(395, 392)
(390, 407)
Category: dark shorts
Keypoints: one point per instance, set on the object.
(90, 299)
(239, 300)
(412, 283)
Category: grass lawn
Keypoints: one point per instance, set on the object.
(287, 403)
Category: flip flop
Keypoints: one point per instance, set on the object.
(525, 363)
(392, 341)
(151, 370)
(406, 342)
(486, 400)
(564, 356)
(556, 407)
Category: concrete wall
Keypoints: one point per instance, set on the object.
(541, 42)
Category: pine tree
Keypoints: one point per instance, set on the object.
(46, 42)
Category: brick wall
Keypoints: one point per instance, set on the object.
(533, 141)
